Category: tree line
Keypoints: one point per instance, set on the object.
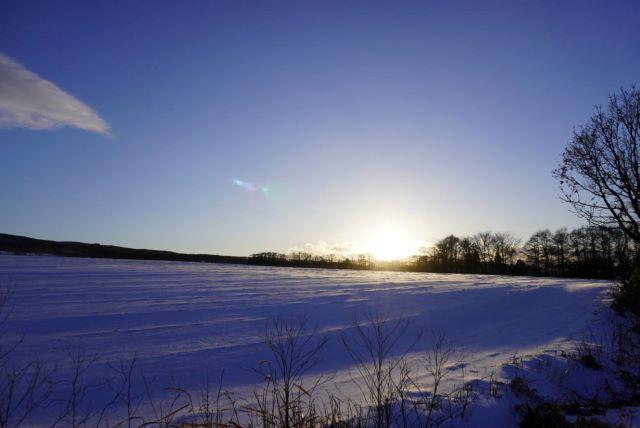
(584, 252)
(327, 261)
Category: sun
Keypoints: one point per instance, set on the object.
(390, 242)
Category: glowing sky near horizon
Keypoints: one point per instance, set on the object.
(232, 127)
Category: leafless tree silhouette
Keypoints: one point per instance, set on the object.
(287, 401)
(24, 387)
(600, 170)
(378, 355)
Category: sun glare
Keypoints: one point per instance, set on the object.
(390, 243)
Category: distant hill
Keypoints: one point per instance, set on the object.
(24, 245)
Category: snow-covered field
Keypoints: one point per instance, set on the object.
(184, 321)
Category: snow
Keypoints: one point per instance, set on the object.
(186, 321)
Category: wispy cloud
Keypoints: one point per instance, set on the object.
(350, 248)
(29, 101)
(323, 248)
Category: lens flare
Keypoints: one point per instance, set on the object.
(246, 185)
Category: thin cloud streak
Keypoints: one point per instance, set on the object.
(351, 248)
(323, 248)
(29, 101)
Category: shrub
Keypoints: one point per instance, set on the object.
(590, 361)
(520, 386)
(627, 294)
(546, 415)
(595, 423)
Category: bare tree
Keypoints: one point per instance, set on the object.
(286, 401)
(378, 354)
(560, 239)
(436, 366)
(544, 240)
(214, 407)
(77, 407)
(447, 250)
(483, 242)
(533, 251)
(600, 170)
(505, 247)
(127, 392)
(24, 387)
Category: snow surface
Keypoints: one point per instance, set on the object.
(186, 321)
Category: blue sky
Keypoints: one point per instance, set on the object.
(427, 118)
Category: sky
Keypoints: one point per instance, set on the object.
(237, 127)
